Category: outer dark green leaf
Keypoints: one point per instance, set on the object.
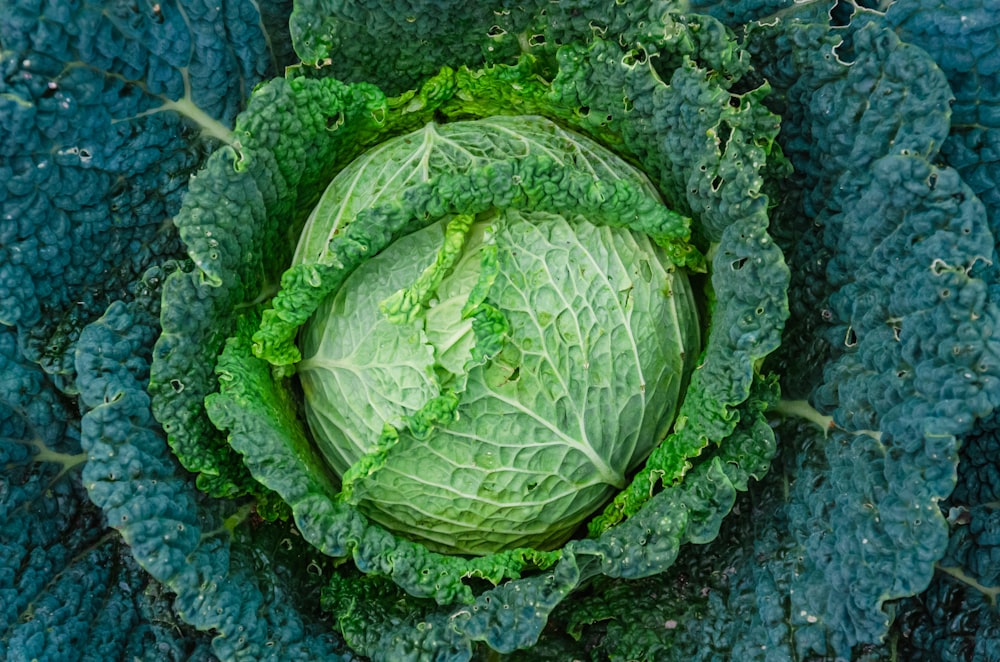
(962, 37)
(209, 554)
(907, 370)
(105, 109)
(956, 617)
(69, 589)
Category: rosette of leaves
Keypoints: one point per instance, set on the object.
(449, 326)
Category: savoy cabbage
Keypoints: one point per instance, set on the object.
(301, 356)
(527, 369)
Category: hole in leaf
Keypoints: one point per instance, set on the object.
(851, 338)
(334, 121)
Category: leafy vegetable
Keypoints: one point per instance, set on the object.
(486, 381)
(795, 462)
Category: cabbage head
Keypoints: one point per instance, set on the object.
(489, 380)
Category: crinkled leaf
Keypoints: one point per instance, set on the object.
(962, 37)
(207, 553)
(69, 589)
(238, 246)
(105, 109)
